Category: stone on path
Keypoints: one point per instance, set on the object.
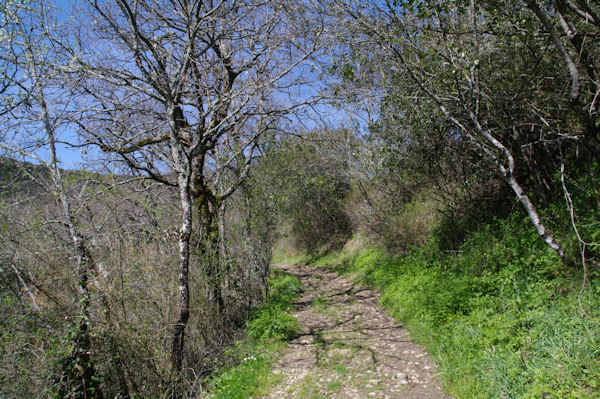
(348, 347)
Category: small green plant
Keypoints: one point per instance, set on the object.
(249, 378)
(272, 324)
(269, 327)
(320, 303)
(283, 289)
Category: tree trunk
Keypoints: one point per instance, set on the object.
(78, 370)
(81, 361)
(79, 374)
(183, 311)
(183, 183)
(211, 253)
(223, 263)
(534, 217)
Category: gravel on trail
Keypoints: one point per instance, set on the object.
(348, 347)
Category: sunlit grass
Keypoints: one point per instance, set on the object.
(500, 317)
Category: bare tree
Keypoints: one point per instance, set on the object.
(578, 49)
(182, 92)
(36, 104)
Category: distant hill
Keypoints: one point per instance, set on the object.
(20, 177)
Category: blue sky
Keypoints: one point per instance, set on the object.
(324, 114)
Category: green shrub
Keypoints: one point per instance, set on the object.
(283, 289)
(272, 324)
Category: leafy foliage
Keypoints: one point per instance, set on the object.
(308, 181)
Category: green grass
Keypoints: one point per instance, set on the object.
(500, 317)
(269, 328)
(320, 304)
(250, 378)
(297, 259)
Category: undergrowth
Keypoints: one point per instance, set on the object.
(501, 316)
(270, 325)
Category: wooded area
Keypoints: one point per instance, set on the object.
(461, 137)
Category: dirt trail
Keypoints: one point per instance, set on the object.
(348, 347)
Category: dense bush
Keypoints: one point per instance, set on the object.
(307, 178)
(134, 249)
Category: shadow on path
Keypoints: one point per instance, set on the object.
(348, 347)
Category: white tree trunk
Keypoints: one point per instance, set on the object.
(534, 217)
(182, 166)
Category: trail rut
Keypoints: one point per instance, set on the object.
(348, 347)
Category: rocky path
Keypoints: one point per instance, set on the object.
(348, 347)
